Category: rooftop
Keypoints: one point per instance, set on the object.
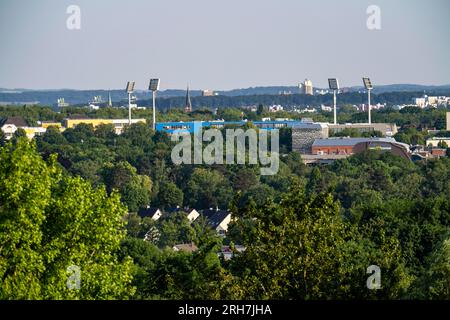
(347, 141)
(147, 212)
(215, 216)
(17, 121)
(186, 247)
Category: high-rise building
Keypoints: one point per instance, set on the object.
(307, 87)
(208, 93)
(188, 104)
(62, 103)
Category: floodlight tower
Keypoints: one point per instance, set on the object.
(153, 87)
(368, 86)
(333, 83)
(130, 90)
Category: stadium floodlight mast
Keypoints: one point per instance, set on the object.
(130, 90)
(368, 86)
(333, 84)
(153, 87)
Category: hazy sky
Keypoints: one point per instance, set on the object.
(224, 44)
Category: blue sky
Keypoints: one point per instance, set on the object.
(221, 44)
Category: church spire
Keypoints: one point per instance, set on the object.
(188, 104)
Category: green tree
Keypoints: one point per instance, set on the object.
(435, 283)
(135, 189)
(316, 183)
(140, 135)
(170, 195)
(133, 224)
(50, 222)
(303, 249)
(260, 109)
(442, 144)
(260, 193)
(2, 138)
(53, 136)
(175, 228)
(137, 193)
(87, 169)
(117, 176)
(20, 133)
(244, 179)
(230, 114)
(80, 134)
(105, 131)
(207, 188)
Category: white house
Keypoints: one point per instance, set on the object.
(191, 214)
(227, 253)
(10, 125)
(218, 219)
(151, 212)
(435, 141)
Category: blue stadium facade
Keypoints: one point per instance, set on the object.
(192, 126)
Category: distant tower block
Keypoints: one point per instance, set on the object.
(208, 93)
(62, 103)
(307, 87)
(188, 104)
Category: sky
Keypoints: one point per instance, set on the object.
(222, 45)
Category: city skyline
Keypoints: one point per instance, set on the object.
(222, 46)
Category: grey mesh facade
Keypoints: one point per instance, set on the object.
(304, 134)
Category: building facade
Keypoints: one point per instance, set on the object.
(191, 126)
(349, 146)
(119, 124)
(304, 134)
(208, 93)
(307, 87)
(387, 129)
(10, 125)
(434, 142)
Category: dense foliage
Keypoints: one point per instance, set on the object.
(52, 224)
(309, 232)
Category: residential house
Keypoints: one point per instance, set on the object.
(438, 152)
(227, 253)
(185, 247)
(10, 125)
(191, 214)
(218, 219)
(437, 141)
(151, 212)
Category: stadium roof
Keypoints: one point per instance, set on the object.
(348, 141)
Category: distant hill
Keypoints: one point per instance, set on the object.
(75, 97)
(405, 88)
